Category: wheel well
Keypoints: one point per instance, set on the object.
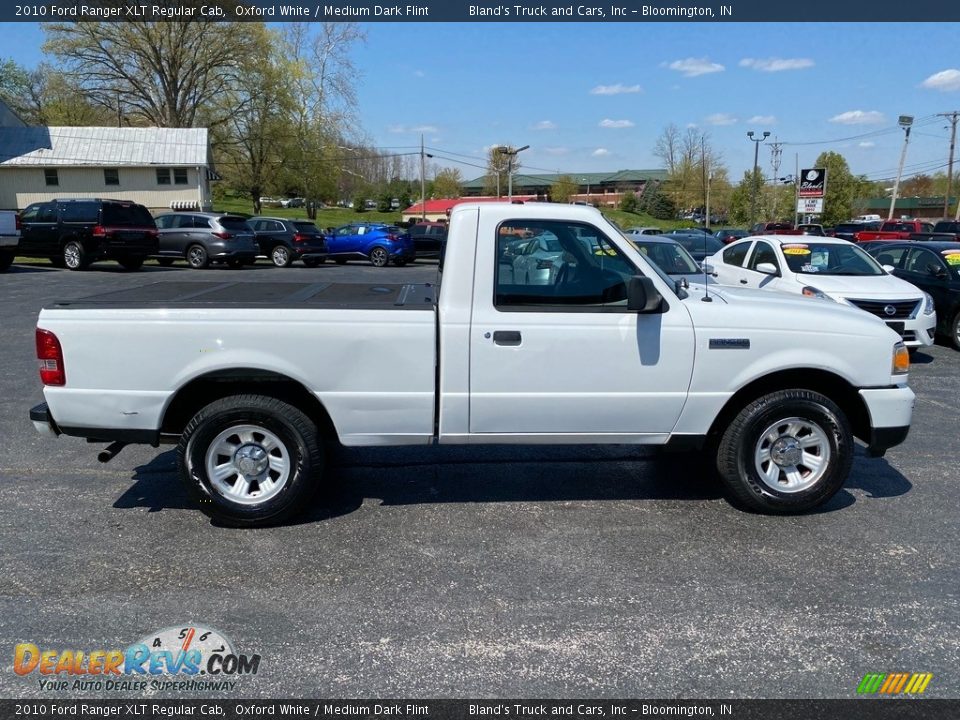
(201, 391)
(826, 383)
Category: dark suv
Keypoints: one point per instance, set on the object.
(75, 233)
(428, 238)
(201, 238)
(283, 240)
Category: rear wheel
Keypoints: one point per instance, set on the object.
(74, 256)
(6, 260)
(955, 331)
(197, 257)
(280, 255)
(379, 257)
(786, 452)
(251, 460)
(131, 263)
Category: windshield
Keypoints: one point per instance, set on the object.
(670, 258)
(829, 259)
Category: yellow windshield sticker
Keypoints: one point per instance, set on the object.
(952, 258)
(796, 251)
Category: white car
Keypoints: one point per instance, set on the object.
(830, 269)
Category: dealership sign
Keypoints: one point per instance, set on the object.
(813, 183)
(810, 206)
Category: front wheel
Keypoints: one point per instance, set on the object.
(197, 257)
(379, 257)
(786, 452)
(74, 256)
(251, 460)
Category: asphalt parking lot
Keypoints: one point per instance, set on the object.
(500, 571)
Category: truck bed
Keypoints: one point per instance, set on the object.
(248, 294)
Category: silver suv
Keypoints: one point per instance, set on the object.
(202, 238)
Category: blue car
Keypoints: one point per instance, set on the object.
(378, 243)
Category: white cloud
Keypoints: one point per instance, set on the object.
(691, 67)
(608, 123)
(617, 89)
(944, 81)
(692, 125)
(600, 152)
(720, 119)
(858, 117)
(544, 125)
(556, 150)
(762, 120)
(866, 144)
(776, 64)
(398, 129)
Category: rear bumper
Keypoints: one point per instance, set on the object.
(891, 410)
(403, 253)
(43, 421)
(9, 242)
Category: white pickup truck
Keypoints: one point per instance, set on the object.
(252, 380)
(9, 237)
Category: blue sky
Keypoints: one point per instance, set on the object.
(594, 97)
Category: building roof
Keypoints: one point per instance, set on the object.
(446, 204)
(8, 117)
(102, 146)
(601, 178)
(908, 203)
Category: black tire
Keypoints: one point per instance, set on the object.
(297, 437)
(6, 260)
(197, 257)
(131, 263)
(340, 261)
(743, 444)
(74, 256)
(310, 263)
(281, 256)
(235, 263)
(165, 262)
(321, 260)
(399, 262)
(379, 257)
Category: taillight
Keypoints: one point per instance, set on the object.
(223, 235)
(99, 231)
(391, 237)
(298, 238)
(17, 221)
(50, 355)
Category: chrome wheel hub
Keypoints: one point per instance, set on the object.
(248, 464)
(792, 455)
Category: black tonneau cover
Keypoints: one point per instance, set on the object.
(262, 295)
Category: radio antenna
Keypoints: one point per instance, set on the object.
(706, 282)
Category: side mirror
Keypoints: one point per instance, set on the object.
(643, 296)
(889, 268)
(707, 267)
(768, 269)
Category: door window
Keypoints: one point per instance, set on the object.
(891, 256)
(763, 253)
(47, 213)
(735, 254)
(924, 262)
(564, 267)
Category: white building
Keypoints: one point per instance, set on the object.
(161, 168)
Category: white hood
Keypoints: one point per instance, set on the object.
(871, 287)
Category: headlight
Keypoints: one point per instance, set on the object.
(901, 359)
(810, 291)
(928, 307)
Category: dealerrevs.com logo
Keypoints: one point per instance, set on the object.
(187, 657)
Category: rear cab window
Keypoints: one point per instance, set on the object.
(80, 212)
(126, 215)
(234, 222)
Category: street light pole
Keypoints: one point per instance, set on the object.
(753, 180)
(511, 154)
(905, 121)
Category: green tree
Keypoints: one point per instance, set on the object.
(629, 202)
(842, 188)
(563, 189)
(448, 183)
(742, 196)
(498, 170)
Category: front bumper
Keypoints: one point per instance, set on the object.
(890, 410)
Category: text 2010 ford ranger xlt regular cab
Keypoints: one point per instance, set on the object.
(590, 343)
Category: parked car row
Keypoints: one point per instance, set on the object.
(75, 233)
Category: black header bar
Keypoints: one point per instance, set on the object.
(623, 11)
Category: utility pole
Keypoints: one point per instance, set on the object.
(775, 152)
(796, 190)
(753, 180)
(423, 182)
(905, 122)
(952, 117)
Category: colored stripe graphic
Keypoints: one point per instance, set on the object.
(894, 683)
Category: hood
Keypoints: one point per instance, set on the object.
(879, 287)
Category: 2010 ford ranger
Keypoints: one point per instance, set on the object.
(584, 342)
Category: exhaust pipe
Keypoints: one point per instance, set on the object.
(111, 451)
